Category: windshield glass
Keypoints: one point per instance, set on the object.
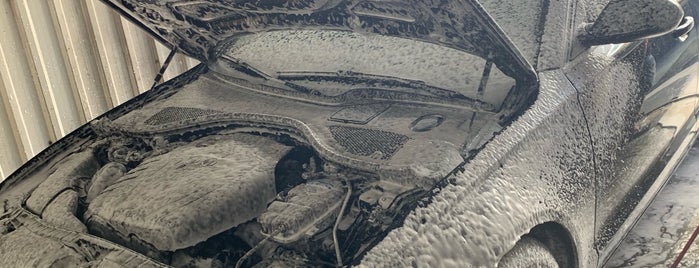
(331, 63)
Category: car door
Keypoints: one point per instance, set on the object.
(640, 100)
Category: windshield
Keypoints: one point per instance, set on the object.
(332, 63)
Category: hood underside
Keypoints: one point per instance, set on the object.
(203, 29)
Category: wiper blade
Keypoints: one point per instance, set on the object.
(360, 85)
(245, 68)
(369, 80)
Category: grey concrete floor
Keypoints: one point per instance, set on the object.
(667, 225)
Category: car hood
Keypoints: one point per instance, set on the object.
(203, 29)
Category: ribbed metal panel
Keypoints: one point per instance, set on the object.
(62, 63)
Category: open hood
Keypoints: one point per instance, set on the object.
(202, 29)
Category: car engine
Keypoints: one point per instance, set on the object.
(216, 198)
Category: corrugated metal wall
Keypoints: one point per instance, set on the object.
(64, 62)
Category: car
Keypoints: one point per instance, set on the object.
(466, 133)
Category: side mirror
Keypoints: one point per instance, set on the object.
(624, 21)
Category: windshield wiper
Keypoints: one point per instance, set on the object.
(347, 86)
(246, 68)
(362, 80)
(370, 85)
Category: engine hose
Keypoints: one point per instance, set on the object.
(253, 249)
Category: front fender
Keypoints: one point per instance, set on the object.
(539, 169)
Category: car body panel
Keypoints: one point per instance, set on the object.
(640, 99)
(534, 172)
(203, 28)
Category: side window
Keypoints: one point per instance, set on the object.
(521, 21)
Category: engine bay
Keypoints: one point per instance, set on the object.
(219, 200)
(219, 174)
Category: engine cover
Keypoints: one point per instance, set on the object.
(304, 212)
(180, 198)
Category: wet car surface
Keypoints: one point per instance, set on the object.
(329, 133)
(666, 228)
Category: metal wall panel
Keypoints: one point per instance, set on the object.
(62, 63)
